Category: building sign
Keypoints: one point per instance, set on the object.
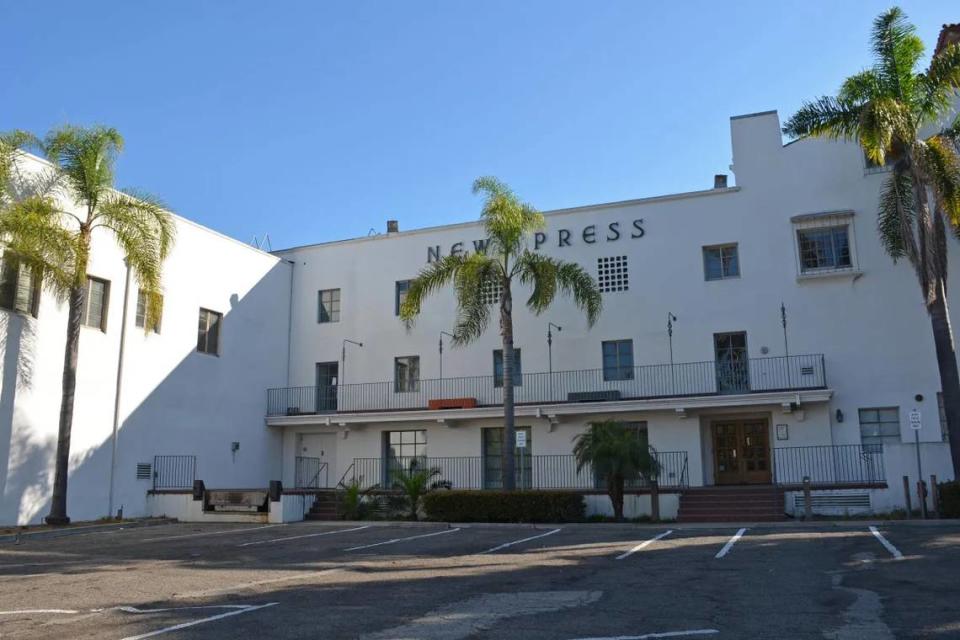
(590, 234)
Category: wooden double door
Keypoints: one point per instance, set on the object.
(741, 450)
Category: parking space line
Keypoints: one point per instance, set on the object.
(193, 623)
(244, 586)
(510, 544)
(732, 541)
(306, 535)
(643, 544)
(664, 634)
(395, 540)
(211, 533)
(886, 543)
(32, 611)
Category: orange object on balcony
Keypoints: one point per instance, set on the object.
(453, 403)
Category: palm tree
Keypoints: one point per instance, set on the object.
(615, 453)
(55, 240)
(506, 261)
(416, 482)
(887, 109)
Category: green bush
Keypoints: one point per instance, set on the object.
(504, 506)
(949, 499)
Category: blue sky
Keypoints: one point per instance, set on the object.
(316, 121)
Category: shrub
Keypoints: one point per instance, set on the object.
(949, 499)
(504, 506)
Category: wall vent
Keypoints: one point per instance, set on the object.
(144, 471)
(612, 274)
(834, 503)
(806, 371)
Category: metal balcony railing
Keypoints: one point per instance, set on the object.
(533, 472)
(783, 373)
(831, 465)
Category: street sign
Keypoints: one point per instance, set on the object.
(915, 420)
(521, 439)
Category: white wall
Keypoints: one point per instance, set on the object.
(174, 400)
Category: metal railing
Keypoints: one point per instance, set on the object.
(710, 377)
(844, 464)
(532, 472)
(309, 471)
(174, 472)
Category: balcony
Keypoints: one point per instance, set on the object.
(679, 380)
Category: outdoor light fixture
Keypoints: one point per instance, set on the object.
(839, 415)
(343, 357)
(551, 325)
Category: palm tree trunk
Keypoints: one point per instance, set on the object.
(615, 491)
(508, 452)
(949, 377)
(58, 502)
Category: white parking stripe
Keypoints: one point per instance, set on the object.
(395, 540)
(732, 541)
(886, 543)
(243, 586)
(306, 535)
(643, 544)
(212, 533)
(665, 634)
(184, 625)
(29, 611)
(510, 544)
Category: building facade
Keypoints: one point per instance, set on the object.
(751, 334)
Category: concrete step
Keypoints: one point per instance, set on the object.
(728, 517)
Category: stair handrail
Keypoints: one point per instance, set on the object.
(344, 476)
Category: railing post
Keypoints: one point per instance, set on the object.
(654, 500)
(807, 499)
(922, 497)
(935, 494)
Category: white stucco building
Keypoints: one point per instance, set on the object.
(287, 393)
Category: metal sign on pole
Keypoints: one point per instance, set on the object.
(521, 437)
(916, 424)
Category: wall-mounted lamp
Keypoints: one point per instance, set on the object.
(839, 415)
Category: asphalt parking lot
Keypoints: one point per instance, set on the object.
(434, 582)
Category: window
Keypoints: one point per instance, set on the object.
(612, 274)
(403, 286)
(19, 287)
(141, 318)
(493, 460)
(208, 338)
(329, 305)
(498, 368)
(491, 292)
(95, 303)
(403, 446)
(618, 360)
(721, 262)
(824, 248)
(879, 425)
(406, 374)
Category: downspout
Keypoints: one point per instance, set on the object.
(289, 341)
(116, 400)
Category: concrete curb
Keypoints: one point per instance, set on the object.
(84, 529)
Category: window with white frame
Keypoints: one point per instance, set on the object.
(879, 425)
(95, 303)
(721, 262)
(328, 302)
(617, 359)
(400, 295)
(208, 335)
(140, 319)
(498, 368)
(612, 274)
(406, 374)
(825, 243)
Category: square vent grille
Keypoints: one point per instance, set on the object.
(490, 293)
(612, 274)
(144, 471)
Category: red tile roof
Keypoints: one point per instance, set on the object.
(949, 34)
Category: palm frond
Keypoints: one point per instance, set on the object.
(937, 160)
(507, 220)
(861, 87)
(86, 158)
(479, 272)
(897, 49)
(32, 229)
(885, 124)
(576, 282)
(939, 85)
(548, 275)
(145, 232)
(896, 217)
(431, 279)
(825, 116)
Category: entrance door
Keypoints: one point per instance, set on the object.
(733, 372)
(327, 386)
(315, 460)
(741, 451)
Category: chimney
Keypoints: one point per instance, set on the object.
(720, 181)
(393, 226)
